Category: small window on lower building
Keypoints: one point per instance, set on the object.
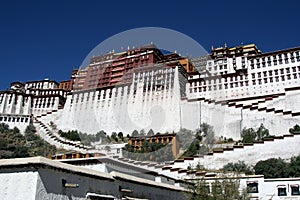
(252, 187)
(281, 190)
(295, 190)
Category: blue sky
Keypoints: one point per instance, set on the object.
(47, 39)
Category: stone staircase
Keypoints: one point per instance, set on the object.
(55, 139)
(48, 113)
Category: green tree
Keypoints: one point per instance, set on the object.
(135, 133)
(295, 129)
(261, 133)
(272, 168)
(248, 135)
(199, 191)
(114, 137)
(237, 167)
(192, 150)
(199, 135)
(16, 130)
(185, 138)
(100, 135)
(70, 135)
(13, 144)
(3, 127)
(150, 132)
(224, 188)
(209, 134)
(120, 136)
(37, 146)
(142, 132)
(294, 167)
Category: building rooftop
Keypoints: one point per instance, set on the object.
(41, 161)
(44, 162)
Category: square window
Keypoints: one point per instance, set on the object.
(281, 191)
(259, 74)
(252, 187)
(270, 73)
(258, 65)
(295, 190)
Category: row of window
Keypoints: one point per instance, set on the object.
(252, 187)
(41, 85)
(48, 92)
(276, 72)
(257, 75)
(219, 86)
(276, 79)
(45, 100)
(260, 81)
(280, 59)
(218, 67)
(48, 105)
(14, 119)
(219, 80)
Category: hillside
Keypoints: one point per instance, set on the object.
(15, 145)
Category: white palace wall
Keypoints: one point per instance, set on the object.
(164, 111)
(126, 108)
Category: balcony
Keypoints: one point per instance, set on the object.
(117, 69)
(118, 63)
(116, 75)
(115, 80)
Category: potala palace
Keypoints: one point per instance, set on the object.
(142, 88)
